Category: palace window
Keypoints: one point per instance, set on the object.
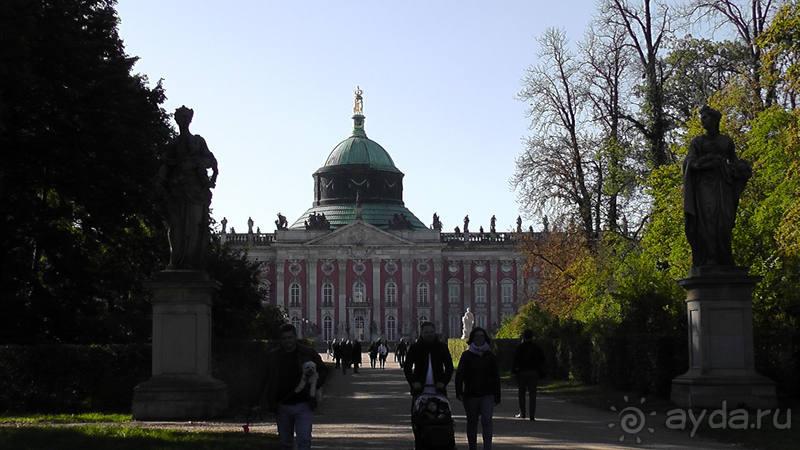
(391, 328)
(507, 292)
(327, 293)
(480, 320)
(422, 319)
(297, 325)
(454, 293)
(359, 291)
(294, 294)
(327, 328)
(422, 293)
(391, 292)
(360, 329)
(455, 326)
(480, 292)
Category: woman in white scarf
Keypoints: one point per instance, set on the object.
(478, 386)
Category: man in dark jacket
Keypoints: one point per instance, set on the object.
(428, 366)
(528, 367)
(293, 410)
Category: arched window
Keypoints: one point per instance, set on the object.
(327, 293)
(455, 326)
(327, 328)
(294, 294)
(359, 291)
(422, 293)
(391, 328)
(422, 319)
(296, 322)
(480, 320)
(391, 292)
(360, 329)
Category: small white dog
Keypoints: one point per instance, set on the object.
(310, 377)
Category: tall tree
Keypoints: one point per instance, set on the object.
(700, 68)
(749, 19)
(646, 29)
(607, 65)
(80, 137)
(557, 173)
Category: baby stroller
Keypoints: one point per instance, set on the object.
(432, 422)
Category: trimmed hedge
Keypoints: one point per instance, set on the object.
(71, 378)
(76, 378)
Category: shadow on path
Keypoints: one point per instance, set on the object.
(371, 410)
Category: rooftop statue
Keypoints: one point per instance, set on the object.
(185, 188)
(358, 101)
(492, 223)
(466, 224)
(281, 223)
(437, 224)
(713, 180)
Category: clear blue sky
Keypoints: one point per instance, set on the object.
(271, 83)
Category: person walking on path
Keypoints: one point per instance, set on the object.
(346, 352)
(529, 367)
(337, 353)
(400, 351)
(383, 352)
(428, 366)
(356, 355)
(478, 387)
(293, 410)
(373, 353)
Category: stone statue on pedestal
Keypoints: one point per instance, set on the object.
(713, 180)
(185, 188)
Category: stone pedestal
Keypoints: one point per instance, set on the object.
(721, 361)
(181, 386)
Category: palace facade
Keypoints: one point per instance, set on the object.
(359, 265)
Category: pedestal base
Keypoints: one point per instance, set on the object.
(721, 360)
(177, 397)
(751, 391)
(181, 386)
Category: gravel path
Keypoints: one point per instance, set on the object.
(370, 410)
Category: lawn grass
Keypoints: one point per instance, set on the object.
(766, 437)
(117, 432)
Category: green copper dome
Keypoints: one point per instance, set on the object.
(358, 149)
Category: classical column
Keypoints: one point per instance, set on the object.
(342, 290)
(280, 270)
(493, 303)
(520, 284)
(377, 298)
(438, 287)
(467, 285)
(408, 318)
(311, 289)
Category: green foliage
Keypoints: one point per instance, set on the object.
(80, 136)
(240, 310)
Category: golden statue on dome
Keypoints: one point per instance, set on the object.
(358, 102)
